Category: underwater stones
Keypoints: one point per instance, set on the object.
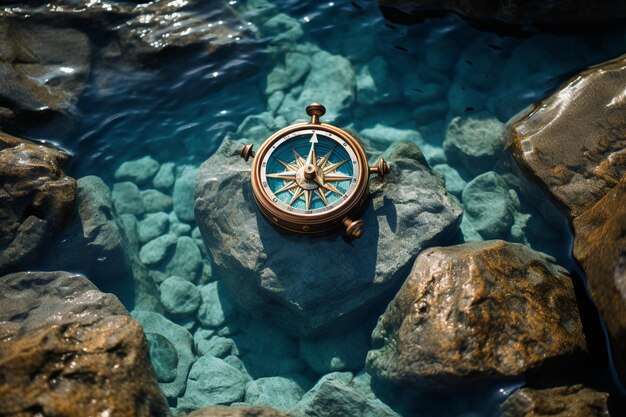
(139, 171)
(127, 198)
(65, 344)
(164, 178)
(296, 66)
(187, 259)
(572, 143)
(386, 135)
(36, 198)
(342, 353)
(43, 70)
(490, 205)
(572, 401)
(155, 201)
(475, 142)
(409, 211)
(279, 392)
(374, 85)
(237, 412)
(163, 357)
(156, 250)
(179, 296)
(183, 194)
(152, 226)
(333, 396)
(454, 183)
(217, 307)
(476, 310)
(207, 342)
(179, 339)
(212, 382)
(283, 29)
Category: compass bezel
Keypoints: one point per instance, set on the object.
(317, 222)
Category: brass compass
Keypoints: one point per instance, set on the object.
(312, 177)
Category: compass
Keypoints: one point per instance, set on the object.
(312, 177)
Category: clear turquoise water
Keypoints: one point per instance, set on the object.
(181, 110)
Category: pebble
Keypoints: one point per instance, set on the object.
(179, 296)
(157, 249)
(155, 201)
(138, 171)
(127, 198)
(153, 225)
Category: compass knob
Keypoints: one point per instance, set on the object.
(315, 110)
(354, 228)
(246, 151)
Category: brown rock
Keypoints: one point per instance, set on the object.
(66, 349)
(521, 12)
(35, 197)
(573, 401)
(476, 310)
(573, 143)
(237, 412)
(600, 247)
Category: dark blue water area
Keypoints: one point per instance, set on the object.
(181, 109)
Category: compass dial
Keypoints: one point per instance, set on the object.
(309, 172)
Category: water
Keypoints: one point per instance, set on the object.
(181, 109)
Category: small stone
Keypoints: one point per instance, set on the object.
(207, 342)
(183, 195)
(164, 179)
(279, 392)
(384, 136)
(153, 225)
(157, 249)
(127, 198)
(454, 183)
(212, 382)
(179, 296)
(187, 259)
(342, 353)
(217, 307)
(572, 401)
(155, 201)
(138, 171)
(474, 143)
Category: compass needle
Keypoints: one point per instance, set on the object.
(334, 166)
(321, 195)
(332, 188)
(289, 186)
(283, 175)
(296, 196)
(337, 176)
(286, 165)
(311, 157)
(307, 198)
(324, 159)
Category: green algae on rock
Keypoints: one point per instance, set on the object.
(476, 310)
(65, 345)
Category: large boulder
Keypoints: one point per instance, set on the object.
(68, 349)
(572, 401)
(480, 309)
(36, 199)
(268, 271)
(570, 147)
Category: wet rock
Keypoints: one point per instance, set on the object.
(157, 249)
(139, 171)
(207, 342)
(36, 199)
(572, 143)
(163, 357)
(600, 247)
(212, 382)
(51, 319)
(179, 296)
(183, 195)
(374, 85)
(454, 183)
(283, 29)
(155, 201)
(217, 308)
(572, 401)
(554, 14)
(164, 178)
(296, 66)
(332, 396)
(474, 143)
(127, 198)
(384, 136)
(152, 226)
(43, 70)
(342, 353)
(490, 205)
(282, 393)
(408, 212)
(178, 338)
(237, 412)
(481, 309)
(187, 259)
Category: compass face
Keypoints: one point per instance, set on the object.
(309, 172)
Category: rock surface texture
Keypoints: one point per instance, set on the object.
(573, 401)
(68, 349)
(476, 310)
(36, 198)
(237, 412)
(572, 146)
(270, 272)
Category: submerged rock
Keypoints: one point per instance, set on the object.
(573, 401)
(183, 195)
(481, 309)
(127, 198)
(237, 412)
(139, 171)
(341, 353)
(36, 199)
(179, 296)
(64, 345)
(264, 268)
(282, 393)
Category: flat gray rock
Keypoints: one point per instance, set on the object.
(268, 272)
